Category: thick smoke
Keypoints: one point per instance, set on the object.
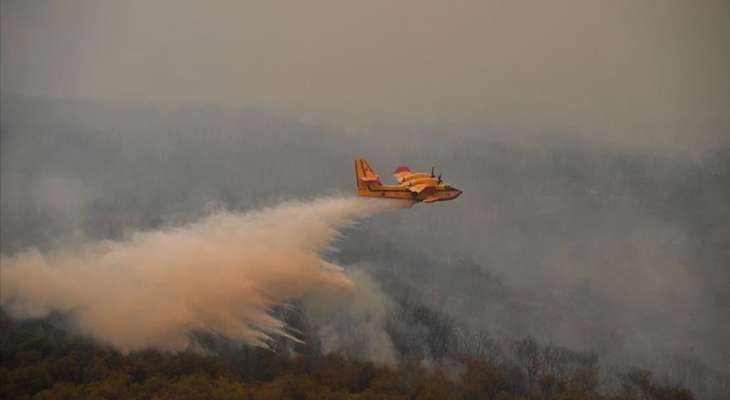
(356, 325)
(221, 274)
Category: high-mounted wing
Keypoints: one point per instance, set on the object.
(401, 172)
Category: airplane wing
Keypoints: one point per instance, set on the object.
(401, 172)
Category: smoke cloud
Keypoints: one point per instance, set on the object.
(622, 73)
(221, 274)
(356, 325)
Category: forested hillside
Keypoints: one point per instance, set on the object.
(42, 361)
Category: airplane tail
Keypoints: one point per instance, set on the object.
(368, 185)
(365, 175)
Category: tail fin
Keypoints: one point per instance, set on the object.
(365, 174)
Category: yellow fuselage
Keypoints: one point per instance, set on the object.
(413, 186)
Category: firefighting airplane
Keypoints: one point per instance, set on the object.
(414, 186)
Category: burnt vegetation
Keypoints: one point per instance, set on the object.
(438, 359)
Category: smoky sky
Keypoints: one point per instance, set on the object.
(626, 73)
(622, 252)
(591, 140)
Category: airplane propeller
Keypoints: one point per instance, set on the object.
(440, 178)
(432, 175)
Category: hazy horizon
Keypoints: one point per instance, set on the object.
(626, 73)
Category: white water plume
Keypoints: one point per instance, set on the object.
(221, 274)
